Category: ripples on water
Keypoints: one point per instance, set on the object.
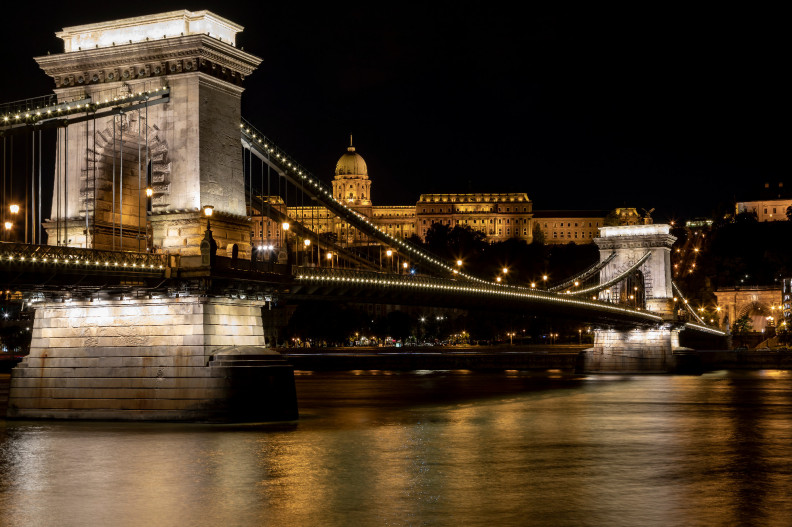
(453, 448)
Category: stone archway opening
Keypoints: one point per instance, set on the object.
(128, 158)
(757, 313)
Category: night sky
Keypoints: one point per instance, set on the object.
(674, 109)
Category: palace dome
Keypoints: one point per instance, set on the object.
(351, 163)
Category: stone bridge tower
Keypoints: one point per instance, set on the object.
(186, 150)
(647, 287)
(652, 281)
(198, 354)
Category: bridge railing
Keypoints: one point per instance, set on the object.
(23, 252)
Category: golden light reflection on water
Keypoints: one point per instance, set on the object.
(431, 448)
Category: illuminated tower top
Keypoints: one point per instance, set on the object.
(351, 183)
(148, 28)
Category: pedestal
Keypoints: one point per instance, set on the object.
(152, 359)
(639, 350)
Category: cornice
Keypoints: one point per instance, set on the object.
(654, 241)
(154, 58)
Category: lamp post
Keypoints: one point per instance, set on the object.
(208, 244)
(149, 194)
(329, 257)
(544, 280)
(307, 244)
(9, 225)
(208, 210)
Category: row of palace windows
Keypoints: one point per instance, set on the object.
(569, 224)
(473, 209)
(569, 235)
(474, 222)
(500, 231)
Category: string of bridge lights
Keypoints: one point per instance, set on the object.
(76, 260)
(502, 292)
(85, 104)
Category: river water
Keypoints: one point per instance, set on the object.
(430, 448)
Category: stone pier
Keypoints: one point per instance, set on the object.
(175, 359)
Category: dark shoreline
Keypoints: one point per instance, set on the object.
(475, 358)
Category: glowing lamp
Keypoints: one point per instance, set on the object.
(208, 210)
(14, 208)
(307, 242)
(149, 192)
(285, 225)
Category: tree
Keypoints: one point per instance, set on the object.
(742, 325)
(746, 217)
(789, 213)
(538, 235)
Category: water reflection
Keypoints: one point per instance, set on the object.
(379, 448)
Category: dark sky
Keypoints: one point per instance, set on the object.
(674, 109)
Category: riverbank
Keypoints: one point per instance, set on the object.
(474, 358)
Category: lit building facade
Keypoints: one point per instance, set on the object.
(499, 216)
(771, 206)
(570, 226)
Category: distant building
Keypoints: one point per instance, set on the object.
(498, 216)
(565, 226)
(770, 204)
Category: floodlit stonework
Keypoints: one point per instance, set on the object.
(647, 287)
(148, 359)
(185, 149)
(197, 353)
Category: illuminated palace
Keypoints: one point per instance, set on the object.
(498, 216)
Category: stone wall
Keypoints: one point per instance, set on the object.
(136, 359)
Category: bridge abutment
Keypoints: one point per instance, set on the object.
(640, 350)
(152, 359)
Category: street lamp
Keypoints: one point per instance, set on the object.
(544, 280)
(459, 263)
(149, 192)
(14, 208)
(329, 257)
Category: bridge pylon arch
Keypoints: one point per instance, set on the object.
(650, 288)
(194, 56)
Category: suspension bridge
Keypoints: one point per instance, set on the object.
(160, 243)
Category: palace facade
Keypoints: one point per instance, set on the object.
(499, 216)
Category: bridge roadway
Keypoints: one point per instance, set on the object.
(68, 272)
